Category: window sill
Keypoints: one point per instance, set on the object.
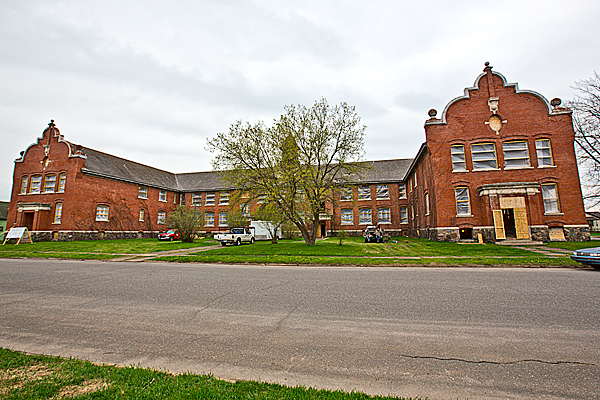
(365, 223)
(464, 216)
(102, 220)
(554, 214)
(162, 201)
(56, 223)
(385, 223)
(460, 171)
(347, 223)
(546, 166)
(485, 169)
(143, 198)
(364, 199)
(345, 199)
(513, 168)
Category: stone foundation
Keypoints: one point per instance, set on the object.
(47, 236)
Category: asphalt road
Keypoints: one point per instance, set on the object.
(477, 333)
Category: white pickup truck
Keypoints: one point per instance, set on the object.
(236, 236)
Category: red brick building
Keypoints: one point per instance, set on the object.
(500, 162)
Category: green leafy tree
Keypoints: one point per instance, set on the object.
(188, 220)
(271, 213)
(298, 162)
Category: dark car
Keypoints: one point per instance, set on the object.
(373, 234)
(171, 234)
(589, 257)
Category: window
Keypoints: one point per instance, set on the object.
(24, 181)
(426, 203)
(224, 198)
(196, 199)
(516, 154)
(141, 217)
(346, 193)
(544, 153)
(463, 206)
(412, 212)
(245, 210)
(57, 213)
(402, 190)
(162, 195)
(210, 199)
(383, 191)
(182, 199)
(364, 192)
(458, 158)
(222, 219)
(36, 184)
(347, 216)
(50, 183)
(404, 215)
(484, 156)
(364, 216)
(550, 196)
(415, 179)
(209, 219)
(261, 198)
(62, 182)
(142, 192)
(162, 217)
(102, 212)
(383, 215)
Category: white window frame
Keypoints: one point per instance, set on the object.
(459, 160)
(404, 215)
(346, 194)
(426, 203)
(161, 217)
(550, 197)
(209, 199)
(347, 216)
(223, 216)
(477, 149)
(197, 199)
(540, 148)
(384, 215)
(162, 195)
(459, 191)
(24, 184)
(62, 182)
(141, 215)
(102, 212)
(402, 190)
(514, 158)
(142, 192)
(364, 193)
(49, 183)
(223, 198)
(365, 216)
(58, 207)
(382, 192)
(209, 219)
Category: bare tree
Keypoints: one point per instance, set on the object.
(188, 220)
(297, 163)
(586, 121)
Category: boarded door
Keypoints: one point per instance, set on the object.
(521, 225)
(499, 225)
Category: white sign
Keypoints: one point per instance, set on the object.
(16, 233)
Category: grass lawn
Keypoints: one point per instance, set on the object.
(25, 377)
(96, 249)
(405, 251)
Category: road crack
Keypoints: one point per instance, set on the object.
(527, 360)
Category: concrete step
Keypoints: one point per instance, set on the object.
(520, 242)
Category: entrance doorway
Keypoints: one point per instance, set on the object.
(508, 217)
(323, 229)
(28, 220)
(466, 233)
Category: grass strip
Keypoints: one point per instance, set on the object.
(66, 256)
(24, 377)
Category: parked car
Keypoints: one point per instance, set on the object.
(171, 234)
(374, 234)
(589, 256)
(236, 236)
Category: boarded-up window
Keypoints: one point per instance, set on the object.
(516, 154)
(383, 192)
(484, 156)
(550, 196)
(458, 158)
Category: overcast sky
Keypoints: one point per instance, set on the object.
(150, 81)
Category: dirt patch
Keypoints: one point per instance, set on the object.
(91, 386)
